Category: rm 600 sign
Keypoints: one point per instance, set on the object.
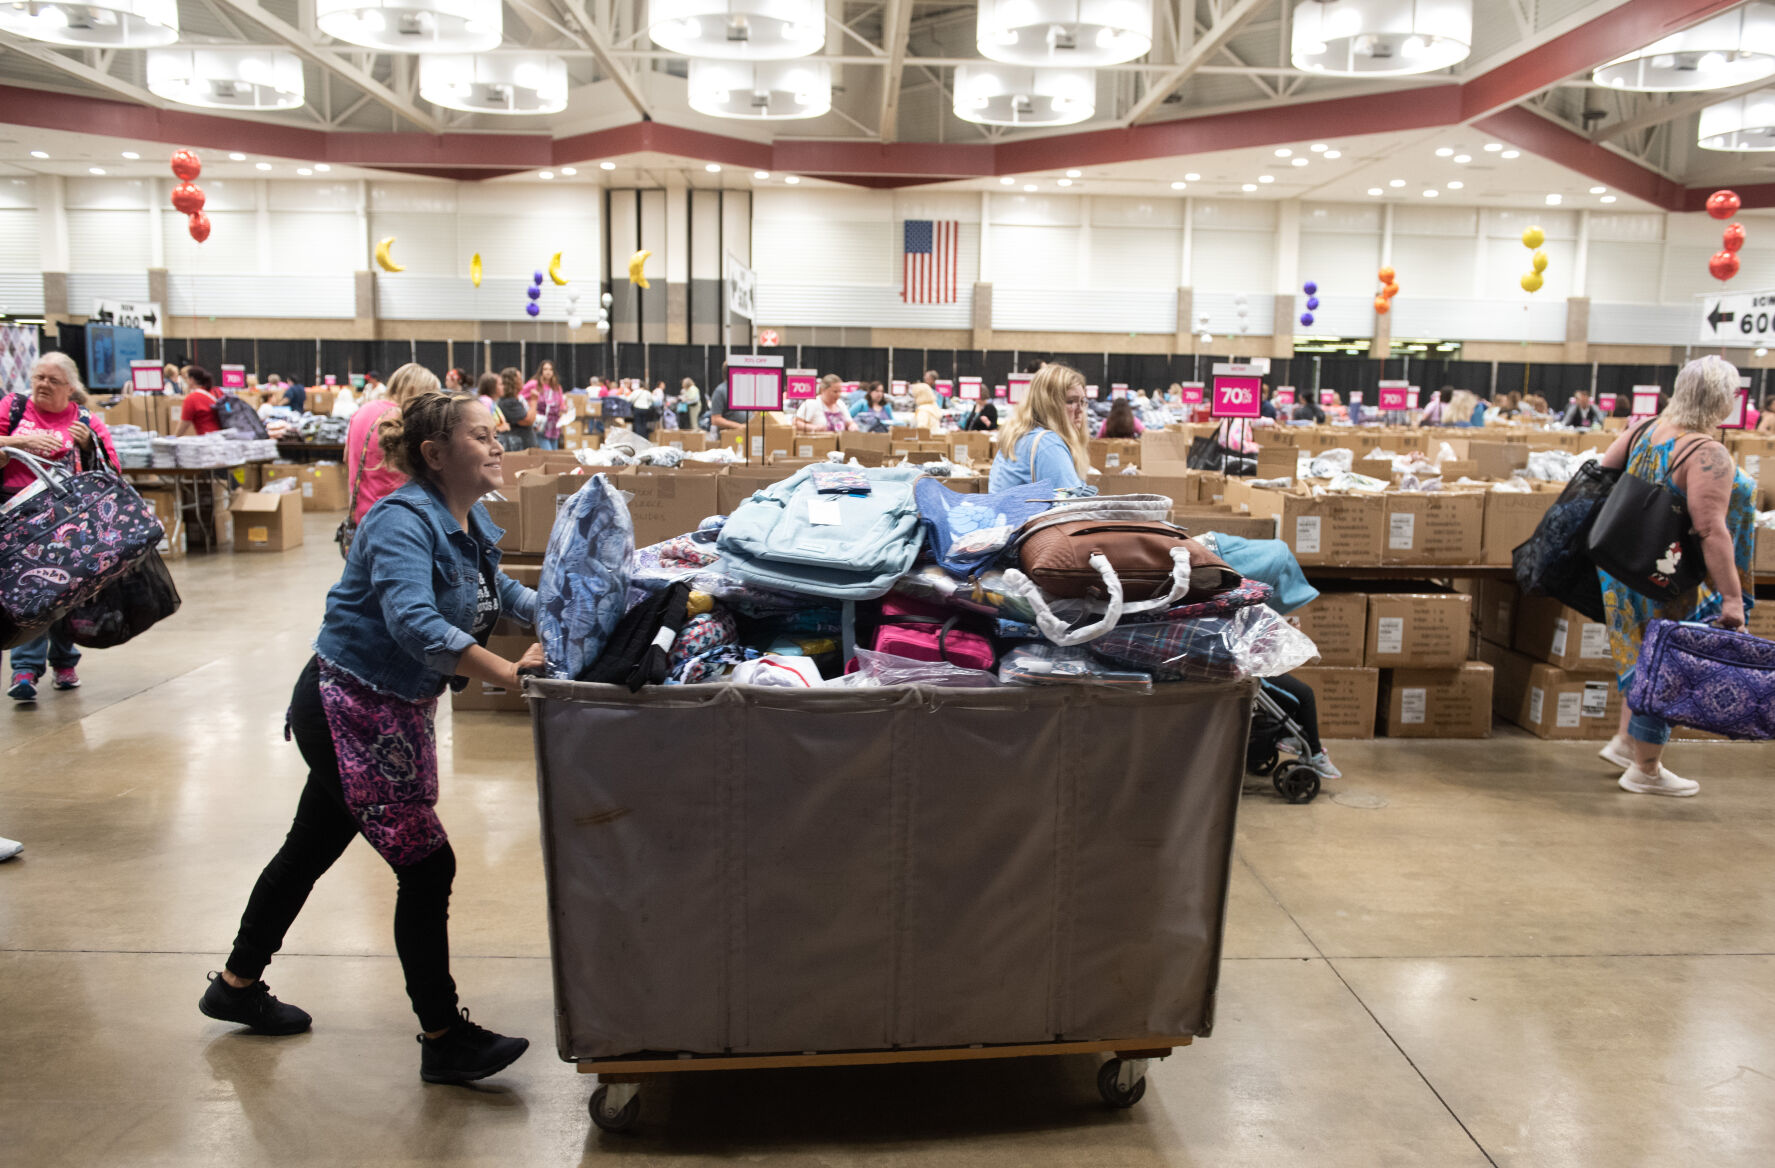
(1746, 318)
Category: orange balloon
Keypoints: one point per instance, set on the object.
(1386, 275)
(1391, 290)
(1382, 305)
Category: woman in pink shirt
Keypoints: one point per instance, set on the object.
(545, 393)
(370, 478)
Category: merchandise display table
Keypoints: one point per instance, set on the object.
(188, 485)
(744, 877)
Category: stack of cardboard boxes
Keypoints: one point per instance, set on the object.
(1555, 671)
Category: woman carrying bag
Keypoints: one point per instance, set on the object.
(370, 475)
(1680, 451)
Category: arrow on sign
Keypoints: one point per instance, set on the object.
(1717, 318)
(150, 317)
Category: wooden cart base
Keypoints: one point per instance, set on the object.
(616, 1103)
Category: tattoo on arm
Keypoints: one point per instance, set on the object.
(1715, 463)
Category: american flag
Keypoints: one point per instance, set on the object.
(929, 261)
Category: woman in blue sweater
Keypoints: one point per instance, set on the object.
(1045, 439)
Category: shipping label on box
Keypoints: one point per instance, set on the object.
(1327, 529)
(1438, 703)
(266, 523)
(1549, 631)
(1433, 527)
(1346, 698)
(1114, 454)
(814, 447)
(1418, 630)
(1337, 622)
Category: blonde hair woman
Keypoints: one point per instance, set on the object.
(926, 414)
(366, 472)
(1045, 439)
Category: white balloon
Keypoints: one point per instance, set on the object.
(573, 297)
(607, 300)
(1202, 316)
(574, 322)
(1239, 299)
(603, 326)
(603, 314)
(1243, 327)
(1243, 312)
(1207, 340)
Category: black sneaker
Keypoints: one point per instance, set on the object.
(252, 1007)
(467, 1052)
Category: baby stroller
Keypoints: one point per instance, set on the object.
(1273, 731)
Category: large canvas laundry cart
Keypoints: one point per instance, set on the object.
(748, 877)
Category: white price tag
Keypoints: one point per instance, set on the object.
(804, 451)
(1561, 631)
(1413, 703)
(959, 453)
(758, 447)
(1593, 641)
(1565, 716)
(1306, 535)
(1389, 637)
(308, 490)
(1111, 460)
(1504, 616)
(1596, 699)
(1536, 700)
(1401, 531)
(824, 512)
(678, 444)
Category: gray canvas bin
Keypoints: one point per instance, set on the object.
(747, 870)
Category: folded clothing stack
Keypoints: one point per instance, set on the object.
(134, 446)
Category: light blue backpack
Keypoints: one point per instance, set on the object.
(840, 546)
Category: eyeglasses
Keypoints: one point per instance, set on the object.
(1075, 403)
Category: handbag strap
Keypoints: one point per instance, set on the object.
(363, 460)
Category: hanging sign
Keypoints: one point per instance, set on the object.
(741, 283)
(1118, 389)
(1328, 397)
(1237, 391)
(1645, 400)
(1355, 397)
(1411, 398)
(945, 388)
(146, 377)
(142, 314)
(1607, 402)
(1743, 318)
(1091, 392)
(968, 388)
(754, 384)
(802, 383)
(1191, 394)
(1284, 395)
(1737, 419)
(1018, 385)
(1394, 395)
(234, 377)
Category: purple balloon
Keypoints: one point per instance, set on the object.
(533, 308)
(533, 292)
(1309, 287)
(1306, 318)
(1312, 302)
(536, 277)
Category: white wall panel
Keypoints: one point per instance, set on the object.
(1088, 311)
(86, 287)
(1336, 316)
(316, 242)
(961, 206)
(1135, 257)
(736, 226)
(1110, 211)
(312, 196)
(261, 295)
(1480, 320)
(1232, 261)
(1502, 223)
(830, 251)
(1431, 266)
(1223, 313)
(1643, 324)
(1022, 257)
(18, 240)
(1691, 239)
(18, 193)
(798, 205)
(21, 292)
(653, 230)
(1428, 219)
(1340, 262)
(856, 306)
(110, 241)
(1623, 271)
(518, 246)
(1023, 210)
(424, 242)
(1627, 226)
(233, 246)
(111, 194)
(1235, 214)
(421, 197)
(1357, 218)
(705, 235)
(432, 297)
(677, 235)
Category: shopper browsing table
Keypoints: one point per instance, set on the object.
(50, 424)
(872, 410)
(824, 413)
(925, 412)
(1044, 441)
(370, 477)
(198, 415)
(1581, 413)
(519, 415)
(1721, 503)
(545, 395)
(421, 592)
(1121, 422)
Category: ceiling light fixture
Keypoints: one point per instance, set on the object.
(569, 171)
(1463, 159)
(1284, 152)
(522, 83)
(39, 154)
(760, 91)
(1373, 38)
(1075, 174)
(1396, 182)
(1456, 185)
(1554, 200)
(761, 175)
(712, 167)
(1178, 186)
(1029, 187)
(607, 166)
(261, 166)
(1444, 151)
(1431, 193)
(1065, 182)
(414, 26)
(1511, 154)
(1318, 148)
(1249, 187)
(1070, 33)
(1375, 191)
(1192, 177)
(1599, 190)
(304, 171)
(322, 167)
(1266, 178)
(237, 157)
(1331, 154)
(1300, 162)
(95, 170)
(1493, 147)
(792, 179)
(110, 24)
(1606, 199)
(546, 176)
(1007, 181)
(131, 155)
(1007, 95)
(1735, 48)
(1743, 123)
(233, 79)
(738, 30)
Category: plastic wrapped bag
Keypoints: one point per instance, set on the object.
(585, 577)
(886, 669)
(1043, 664)
(1253, 642)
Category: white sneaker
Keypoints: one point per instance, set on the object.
(1321, 763)
(1618, 751)
(1663, 783)
(9, 848)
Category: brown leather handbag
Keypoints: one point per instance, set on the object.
(1063, 560)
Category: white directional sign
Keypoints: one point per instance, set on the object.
(145, 316)
(1741, 318)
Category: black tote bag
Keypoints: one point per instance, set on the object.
(1643, 536)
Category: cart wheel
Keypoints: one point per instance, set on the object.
(1298, 783)
(618, 1118)
(1270, 762)
(1111, 1087)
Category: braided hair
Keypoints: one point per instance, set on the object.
(430, 417)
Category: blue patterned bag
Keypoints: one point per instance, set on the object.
(585, 577)
(1707, 679)
(967, 532)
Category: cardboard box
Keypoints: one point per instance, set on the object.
(1553, 703)
(166, 509)
(1494, 604)
(1417, 630)
(529, 575)
(1549, 631)
(969, 447)
(689, 441)
(1201, 518)
(856, 442)
(320, 401)
(1495, 459)
(1180, 490)
(740, 482)
(483, 695)
(813, 447)
(266, 523)
(1437, 703)
(1760, 620)
(1338, 624)
(507, 513)
(539, 495)
(1276, 461)
(1764, 562)
(1330, 529)
(1433, 527)
(1510, 518)
(1112, 454)
(322, 486)
(1164, 446)
(669, 504)
(1346, 698)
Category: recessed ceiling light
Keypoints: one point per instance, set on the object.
(1266, 178)
(1300, 162)
(1318, 148)
(1284, 152)
(95, 170)
(1029, 186)
(39, 154)
(792, 179)
(1463, 159)
(1493, 147)
(1511, 154)
(304, 171)
(1249, 187)
(1397, 182)
(322, 167)
(761, 175)
(546, 175)
(1330, 154)
(1178, 186)
(1606, 199)
(237, 157)
(1065, 182)
(1075, 174)
(1456, 185)
(1444, 151)
(262, 166)
(1431, 193)
(1599, 190)
(713, 168)
(569, 171)
(1192, 177)
(607, 166)
(133, 156)
(1375, 191)
(1553, 200)
(1007, 181)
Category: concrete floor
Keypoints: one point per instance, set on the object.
(1465, 953)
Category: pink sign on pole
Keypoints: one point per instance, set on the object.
(1411, 398)
(968, 388)
(1328, 397)
(1018, 385)
(1284, 395)
(1645, 401)
(1091, 392)
(1740, 411)
(145, 377)
(330, 379)
(1191, 394)
(1607, 402)
(1394, 397)
(1118, 389)
(1238, 397)
(802, 383)
(234, 377)
(945, 388)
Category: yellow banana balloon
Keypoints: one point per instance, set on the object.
(474, 269)
(636, 263)
(384, 260)
(555, 269)
(1540, 261)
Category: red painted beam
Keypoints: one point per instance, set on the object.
(918, 161)
(1755, 196)
(1532, 132)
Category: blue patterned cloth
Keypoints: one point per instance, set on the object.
(585, 577)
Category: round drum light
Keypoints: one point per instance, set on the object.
(413, 26)
(1737, 48)
(1006, 95)
(763, 90)
(240, 79)
(1070, 33)
(738, 30)
(114, 24)
(529, 83)
(1374, 38)
(1744, 123)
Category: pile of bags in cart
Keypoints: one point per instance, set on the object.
(846, 576)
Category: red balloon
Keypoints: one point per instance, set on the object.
(186, 165)
(1734, 236)
(1723, 204)
(199, 227)
(187, 199)
(1382, 305)
(1723, 265)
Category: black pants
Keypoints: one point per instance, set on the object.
(1306, 707)
(323, 827)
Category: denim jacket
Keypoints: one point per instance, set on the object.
(399, 617)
